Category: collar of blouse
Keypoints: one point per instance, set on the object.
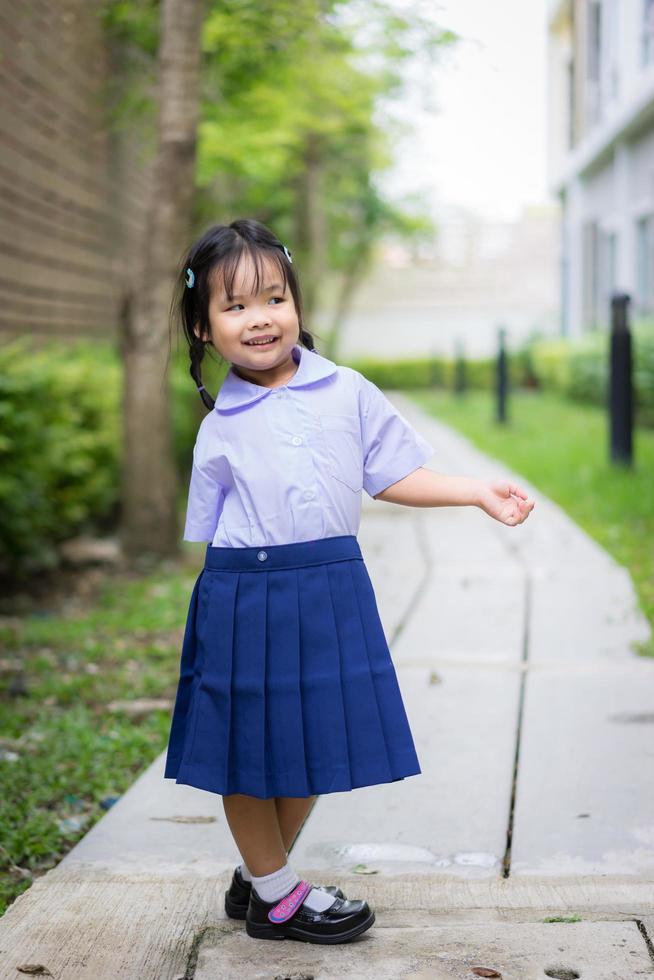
(235, 392)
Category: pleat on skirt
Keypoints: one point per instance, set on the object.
(286, 685)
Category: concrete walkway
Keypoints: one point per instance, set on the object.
(533, 723)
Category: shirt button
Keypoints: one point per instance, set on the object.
(309, 494)
(262, 555)
(297, 440)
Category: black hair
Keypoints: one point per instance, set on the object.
(221, 247)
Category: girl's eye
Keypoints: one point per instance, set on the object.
(278, 299)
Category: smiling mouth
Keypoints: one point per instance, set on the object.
(261, 341)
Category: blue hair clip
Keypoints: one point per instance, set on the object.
(190, 279)
(287, 254)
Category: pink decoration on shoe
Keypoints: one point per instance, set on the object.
(290, 903)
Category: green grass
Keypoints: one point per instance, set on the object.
(63, 753)
(562, 448)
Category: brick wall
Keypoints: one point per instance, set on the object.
(72, 191)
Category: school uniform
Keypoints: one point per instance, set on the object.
(287, 687)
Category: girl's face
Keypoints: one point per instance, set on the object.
(266, 315)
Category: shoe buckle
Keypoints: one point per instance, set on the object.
(290, 903)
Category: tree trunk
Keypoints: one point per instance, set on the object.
(149, 480)
(311, 230)
(350, 282)
(348, 287)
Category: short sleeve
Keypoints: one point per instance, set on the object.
(391, 446)
(205, 503)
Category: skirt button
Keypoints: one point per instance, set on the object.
(262, 555)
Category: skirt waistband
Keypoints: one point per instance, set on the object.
(295, 555)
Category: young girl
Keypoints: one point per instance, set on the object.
(287, 689)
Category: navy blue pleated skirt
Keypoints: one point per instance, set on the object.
(287, 687)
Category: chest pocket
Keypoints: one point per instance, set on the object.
(344, 454)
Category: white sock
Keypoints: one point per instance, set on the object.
(245, 873)
(274, 886)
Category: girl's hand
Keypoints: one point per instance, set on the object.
(504, 501)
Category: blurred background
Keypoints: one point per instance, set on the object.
(468, 192)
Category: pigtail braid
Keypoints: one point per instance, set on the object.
(306, 339)
(196, 353)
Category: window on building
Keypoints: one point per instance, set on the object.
(594, 40)
(565, 296)
(600, 260)
(645, 264)
(610, 267)
(605, 284)
(610, 67)
(602, 58)
(593, 61)
(648, 32)
(572, 102)
(590, 273)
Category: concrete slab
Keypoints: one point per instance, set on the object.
(97, 929)
(645, 925)
(159, 826)
(585, 792)
(90, 923)
(472, 604)
(550, 546)
(589, 613)
(396, 563)
(451, 817)
(418, 950)
(466, 613)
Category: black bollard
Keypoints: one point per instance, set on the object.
(459, 371)
(501, 377)
(621, 382)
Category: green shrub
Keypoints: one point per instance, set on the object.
(549, 362)
(408, 373)
(422, 372)
(588, 371)
(60, 444)
(580, 368)
(59, 447)
(644, 373)
(576, 368)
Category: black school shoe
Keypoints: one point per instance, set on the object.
(290, 918)
(237, 895)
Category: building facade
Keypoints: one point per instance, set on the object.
(601, 155)
(73, 187)
(457, 291)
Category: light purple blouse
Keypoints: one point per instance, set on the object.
(285, 464)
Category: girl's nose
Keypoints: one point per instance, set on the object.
(262, 317)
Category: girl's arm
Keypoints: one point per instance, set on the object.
(500, 499)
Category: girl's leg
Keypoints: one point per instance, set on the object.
(292, 811)
(255, 828)
(264, 830)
